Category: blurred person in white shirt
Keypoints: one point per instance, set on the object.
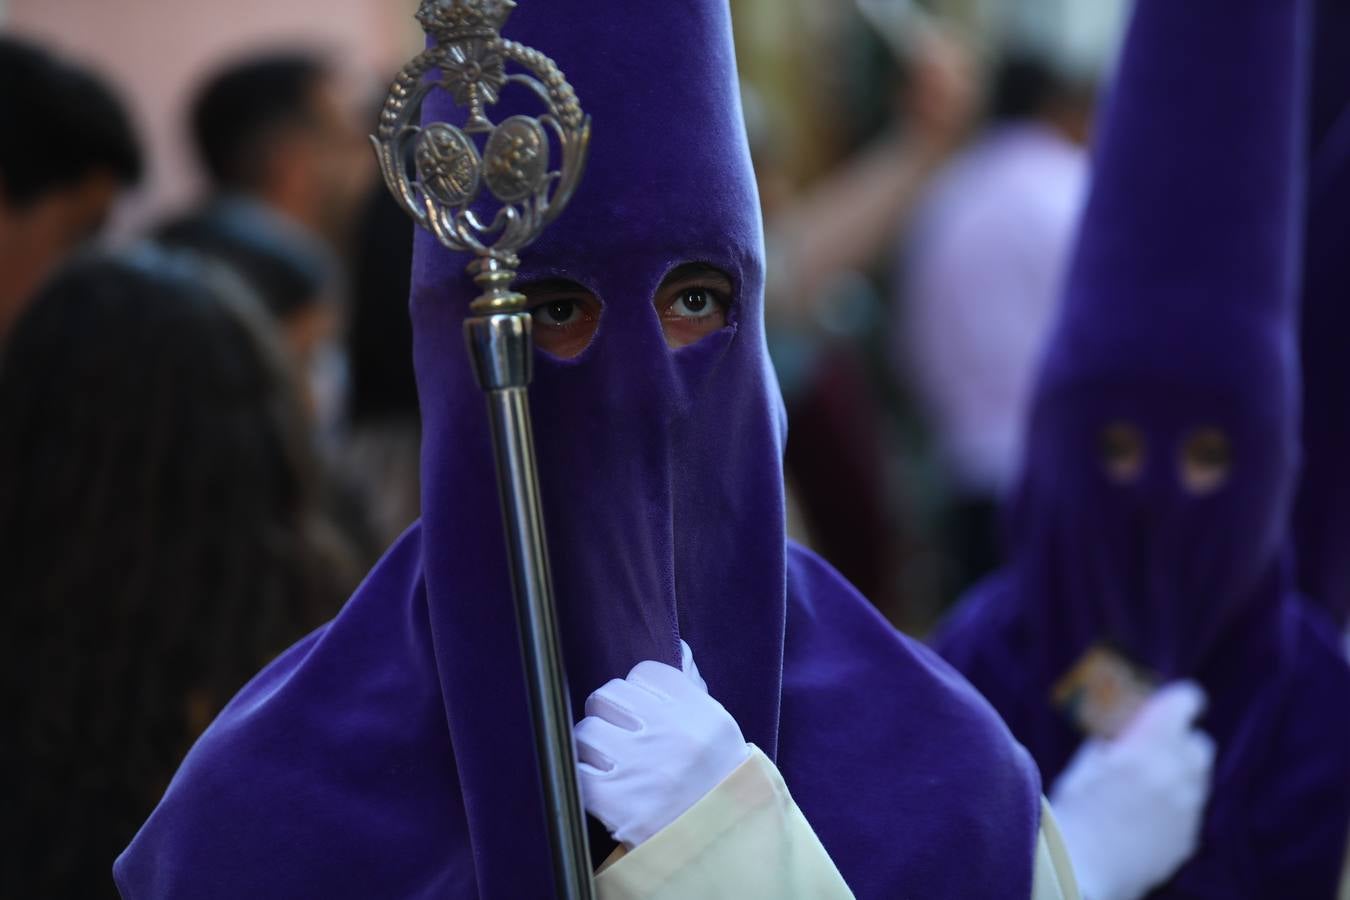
(981, 270)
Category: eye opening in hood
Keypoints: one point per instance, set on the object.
(1204, 461)
(566, 316)
(693, 301)
(1122, 451)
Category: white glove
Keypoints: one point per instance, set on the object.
(651, 746)
(1130, 809)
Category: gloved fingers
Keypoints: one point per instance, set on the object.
(1172, 710)
(1188, 798)
(1092, 748)
(690, 668)
(596, 792)
(1198, 752)
(589, 770)
(598, 742)
(620, 703)
(1090, 756)
(1087, 760)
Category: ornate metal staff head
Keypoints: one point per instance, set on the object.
(453, 165)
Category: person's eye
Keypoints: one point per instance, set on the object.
(1121, 451)
(558, 313)
(696, 303)
(1206, 459)
(565, 316)
(692, 303)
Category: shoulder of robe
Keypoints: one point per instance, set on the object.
(889, 733)
(1296, 793)
(1318, 683)
(873, 665)
(983, 622)
(988, 639)
(1311, 717)
(332, 761)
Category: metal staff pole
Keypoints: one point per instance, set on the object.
(443, 191)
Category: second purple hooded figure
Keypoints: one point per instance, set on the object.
(1153, 509)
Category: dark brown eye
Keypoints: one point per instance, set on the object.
(693, 302)
(1206, 459)
(559, 312)
(566, 316)
(1121, 451)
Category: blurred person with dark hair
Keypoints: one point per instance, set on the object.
(161, 543)
(277, 130)
(67, 149)
(297, 282)
(279, 138)
(288, 165)
(979, 284)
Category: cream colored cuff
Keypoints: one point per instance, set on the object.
(745, 839)
(1054, 878)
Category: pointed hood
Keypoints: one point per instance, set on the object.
(1164, 439)
(660, 469)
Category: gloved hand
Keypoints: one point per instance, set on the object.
(651, 746)
(1130, 809)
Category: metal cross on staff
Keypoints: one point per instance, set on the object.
(444, 193)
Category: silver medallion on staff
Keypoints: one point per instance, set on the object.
(512, 159)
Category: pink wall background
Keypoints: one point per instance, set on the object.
(158, 50)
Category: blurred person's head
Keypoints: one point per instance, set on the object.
(1028, 88)
(279, 128)
(160, 544)
(67, 149)
(292, 277)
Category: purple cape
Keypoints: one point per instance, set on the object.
(1322, 511)
(389, 754)
(1179, 314)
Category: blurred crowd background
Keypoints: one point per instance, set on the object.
(207, 410)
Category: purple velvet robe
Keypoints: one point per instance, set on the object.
(1180, 314)
(389, 754)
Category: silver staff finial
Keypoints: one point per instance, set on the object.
(513, 162)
